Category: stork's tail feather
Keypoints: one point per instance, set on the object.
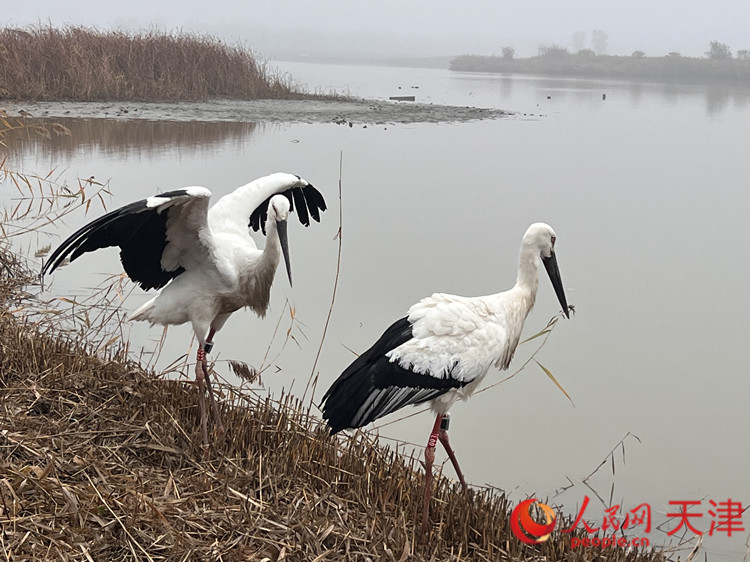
(341, 406)
(345, 398)
(373, 386)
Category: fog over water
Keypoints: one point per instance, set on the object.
(391, 28)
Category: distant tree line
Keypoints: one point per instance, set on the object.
(721, 51)
(717, 65)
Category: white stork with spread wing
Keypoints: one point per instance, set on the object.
(204, 260)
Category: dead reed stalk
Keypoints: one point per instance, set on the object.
(85, 64)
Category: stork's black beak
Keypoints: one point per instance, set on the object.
(284, 241)
(553, 271)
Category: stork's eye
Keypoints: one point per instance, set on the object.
(554, 238)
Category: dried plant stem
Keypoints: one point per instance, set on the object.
(313, 378)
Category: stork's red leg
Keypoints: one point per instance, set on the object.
(448, 449)
(214, 405)
(429, 458)
(200, 379)
(210, 340)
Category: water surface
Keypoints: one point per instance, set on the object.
(647, 190)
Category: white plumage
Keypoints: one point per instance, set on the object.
(205, 259)
(442, 350)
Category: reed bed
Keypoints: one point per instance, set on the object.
(44, 63)
(99, 461)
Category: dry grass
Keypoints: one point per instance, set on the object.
(98, 456)
(77, 63)
(98, 462)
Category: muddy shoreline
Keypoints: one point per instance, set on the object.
(256, 111)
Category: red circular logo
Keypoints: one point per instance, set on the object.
(525, 528)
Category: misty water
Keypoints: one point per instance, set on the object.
(647, 191)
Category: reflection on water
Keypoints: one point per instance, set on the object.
(133, 138)
(716, 97)
(522, 93)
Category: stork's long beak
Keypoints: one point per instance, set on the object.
(553, 271)
(284, 241)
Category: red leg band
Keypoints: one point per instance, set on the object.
(432, 442)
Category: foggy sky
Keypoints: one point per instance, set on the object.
(388, 28)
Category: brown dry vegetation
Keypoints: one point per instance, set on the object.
(77, 63)
(98, 459)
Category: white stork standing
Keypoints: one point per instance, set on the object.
(440, 353)
(204, 258)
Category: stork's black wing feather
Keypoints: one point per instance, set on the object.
(139, 229)
(373, 386)
(308, 201)
(299, 201)
(315, 202)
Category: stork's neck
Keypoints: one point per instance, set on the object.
(269, 258)
(527, 280)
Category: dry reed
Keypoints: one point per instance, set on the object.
(78, 63)
(98, 462)
(98, 459)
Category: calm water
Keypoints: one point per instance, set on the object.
(648, 192)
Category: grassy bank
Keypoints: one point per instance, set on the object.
(99, 457)
(77, 63)
(98, 460)
(671, 68)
